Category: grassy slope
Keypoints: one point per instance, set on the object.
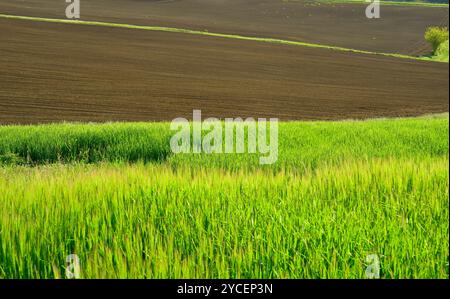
(341, 191)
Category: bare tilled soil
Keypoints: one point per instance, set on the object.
(59, 72)
(399, 30)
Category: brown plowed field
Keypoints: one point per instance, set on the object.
(55, 72)
(399, 30)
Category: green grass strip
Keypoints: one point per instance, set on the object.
(302, 144)
(392, 3)
(206, 33)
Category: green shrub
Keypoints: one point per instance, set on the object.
(441, 53)
(436, 36)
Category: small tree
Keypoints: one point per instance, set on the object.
(436, 36)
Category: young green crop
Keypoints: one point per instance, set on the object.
(117, 197)
(302, 145)
(150, 221)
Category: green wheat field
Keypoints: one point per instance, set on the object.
(116, 196)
